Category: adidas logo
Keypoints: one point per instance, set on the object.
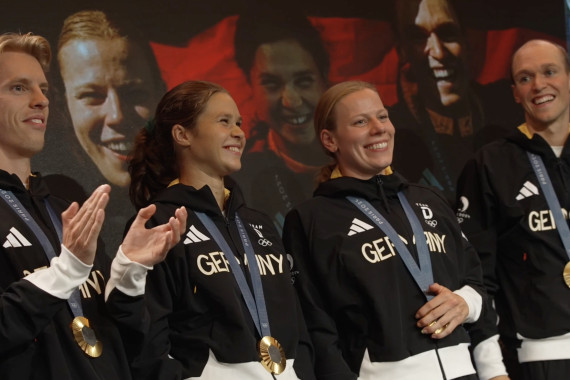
(194, 236)
(358, 226)
(16, 239)
(528, 190)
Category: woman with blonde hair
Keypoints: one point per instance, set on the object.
(379, 301)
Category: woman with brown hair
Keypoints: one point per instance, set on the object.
(209, 313)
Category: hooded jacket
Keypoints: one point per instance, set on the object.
(196, 323)
(357, 295)
(504, 213)
(36, 341)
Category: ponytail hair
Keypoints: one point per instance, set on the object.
(153, 164)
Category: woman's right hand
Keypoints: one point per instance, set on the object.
(443, 313)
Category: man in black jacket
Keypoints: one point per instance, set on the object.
(53, 323)
(518, 229)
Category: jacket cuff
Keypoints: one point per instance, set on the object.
(65, 274)
(474, 302)
(489, 359)
(127, 276)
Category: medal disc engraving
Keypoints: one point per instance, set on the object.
(85, 337)
(272, 355)
(89, 336)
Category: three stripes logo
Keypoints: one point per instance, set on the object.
(194, 236)
(16, 239)
(528, 190)
(358, 226)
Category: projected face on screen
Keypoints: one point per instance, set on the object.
(286, 86)
(110, 95)
(432, 43)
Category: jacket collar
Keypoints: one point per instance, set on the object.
(11, 182)
(534, 143)
(202, 200)
(369, 189)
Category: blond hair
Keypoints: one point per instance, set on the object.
(97, 25)
(87, 25)
(36, 46)
(325, 115)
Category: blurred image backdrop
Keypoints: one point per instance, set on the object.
(442, 67)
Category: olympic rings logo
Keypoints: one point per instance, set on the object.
(264, 243)
(432, 223)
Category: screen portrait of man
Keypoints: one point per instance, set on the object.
(286, 86)
(112, 85)
(434, 46)
(286, 64)
(442, 114)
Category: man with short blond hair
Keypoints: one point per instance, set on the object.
(53, 322)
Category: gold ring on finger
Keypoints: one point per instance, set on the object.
(441, 329)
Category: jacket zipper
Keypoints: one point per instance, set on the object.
(380, 193)
(439, 361)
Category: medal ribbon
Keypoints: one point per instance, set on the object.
(422, 274)
(551, 199)
(75, 300)
(256, 306)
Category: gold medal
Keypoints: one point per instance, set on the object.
(272, 355)
(85, 337)
(566, 274)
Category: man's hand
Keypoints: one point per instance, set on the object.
(81, 226)
(443, 313)
(149, 247)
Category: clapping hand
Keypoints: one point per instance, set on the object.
(81, 225)
(150, 246)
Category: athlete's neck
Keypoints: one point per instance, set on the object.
(555, 133)
(20, 166)
(199, 179)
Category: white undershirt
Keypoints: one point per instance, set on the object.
(557, 150)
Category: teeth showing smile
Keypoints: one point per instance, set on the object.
(298, 120)
(441, 74)
(119, 147)
(381, 145)
(543, 99)
(37, 121)
(233, 149)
